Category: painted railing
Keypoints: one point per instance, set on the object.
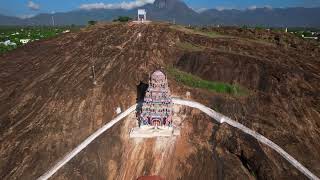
(85, 143)
(213, 114)
(223, 119)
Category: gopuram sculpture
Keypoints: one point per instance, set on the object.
(155, 115)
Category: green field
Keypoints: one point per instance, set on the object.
(15, 34)
(197, 31)
(196, 82)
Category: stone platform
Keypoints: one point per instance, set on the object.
(141, 22)
(151, 132)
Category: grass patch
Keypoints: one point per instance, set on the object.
(213, 34)
(210, 34)
(189, 47)
(196, 82)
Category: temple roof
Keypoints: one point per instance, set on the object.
(158, 73)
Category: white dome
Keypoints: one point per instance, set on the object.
(158, 73)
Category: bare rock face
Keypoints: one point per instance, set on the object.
(49, 104)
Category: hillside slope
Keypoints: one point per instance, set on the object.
(49, 104)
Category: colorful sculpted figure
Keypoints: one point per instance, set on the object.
(157, 105)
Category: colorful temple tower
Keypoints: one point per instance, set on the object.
(157, 104)
(155, 115)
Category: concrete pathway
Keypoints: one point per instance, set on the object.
(213, 114)
(85, 143)
(223, 119)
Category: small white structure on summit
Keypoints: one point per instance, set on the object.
(142, 15)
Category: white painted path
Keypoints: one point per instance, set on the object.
(215, 115)
(223, 119)
(85, 143)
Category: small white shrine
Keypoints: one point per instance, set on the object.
(142, 15)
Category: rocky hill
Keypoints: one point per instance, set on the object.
(49, 103)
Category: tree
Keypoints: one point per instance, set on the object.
(244, 27)
(122, 19)
(92, 22)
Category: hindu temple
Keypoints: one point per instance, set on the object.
(155, 115)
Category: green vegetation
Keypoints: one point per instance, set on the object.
(196, 82)
(14, 35)
(189, 47)
(210, 34)
(305, 33)
(244, 27)
(302, 32)
(4, 48)
(260, 28)
(91, 23)
(122, 19)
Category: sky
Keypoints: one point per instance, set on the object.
(28, 8)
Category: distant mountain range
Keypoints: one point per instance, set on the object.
(178, 11)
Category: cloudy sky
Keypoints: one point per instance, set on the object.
(26, 8)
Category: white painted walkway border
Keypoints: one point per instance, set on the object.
(223, 119)
(85, 143)
(215, 115)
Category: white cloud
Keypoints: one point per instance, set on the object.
(221, 8)
(26, 16)
(200, 10)
(122, 5)
(268, 6)
(253, 7)
(33, 6)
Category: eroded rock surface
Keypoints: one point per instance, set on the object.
(49, 105)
